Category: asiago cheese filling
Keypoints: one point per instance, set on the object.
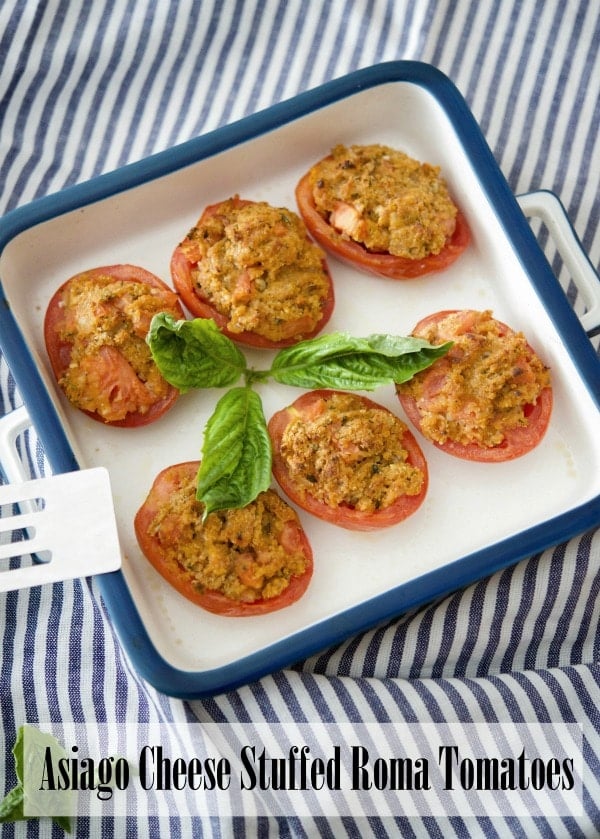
(257, 267)
(105, 322)
(481, 388)
(246, 554)
(347, 453)
(384, 200)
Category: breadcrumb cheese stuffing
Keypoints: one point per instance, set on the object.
(385, 200)
(247, 554)
(257, 266)
(349, 453)
(111, 371)
(481, 388)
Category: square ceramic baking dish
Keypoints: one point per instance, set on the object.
(477, 518)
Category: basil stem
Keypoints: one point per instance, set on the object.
(236, 453)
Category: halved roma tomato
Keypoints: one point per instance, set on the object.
(251, 277)
(373, 262)
(517, 440)
(353, 464)
(95, 331)
(172, 536)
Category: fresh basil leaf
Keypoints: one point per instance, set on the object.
(11, 806)
(29, 752)
(194, 353)
(236, 452)
(341, 361)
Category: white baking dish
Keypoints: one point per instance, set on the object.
(476, 518)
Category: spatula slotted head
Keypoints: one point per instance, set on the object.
(66, 523)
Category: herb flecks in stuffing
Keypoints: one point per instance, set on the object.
(247, 554)
(106, 320)
(384, 200)
(481, 388)
(257, 267)
(346, 453)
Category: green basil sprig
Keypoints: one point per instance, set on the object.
(236, 452)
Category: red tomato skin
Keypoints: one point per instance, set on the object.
(212, 601)
(181, 273)
(59, 352)
(517, 442)
(342, 516)
(379, 264)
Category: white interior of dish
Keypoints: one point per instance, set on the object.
(469, 505)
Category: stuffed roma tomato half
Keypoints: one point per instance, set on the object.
(489, 398)
(383, 212)
(252, 268)
(347, 460)
(239, 562)
(95, 333)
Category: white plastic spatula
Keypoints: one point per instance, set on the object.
(64, 524)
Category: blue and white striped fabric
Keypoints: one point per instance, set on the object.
(88, 87)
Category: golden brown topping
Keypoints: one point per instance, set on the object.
(480, 389)
(385, 200)
(348, 453)
(247, 554)
(257, 267)
(111, 371)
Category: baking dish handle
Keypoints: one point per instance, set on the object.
(546, 206)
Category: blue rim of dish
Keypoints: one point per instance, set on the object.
(451, 577)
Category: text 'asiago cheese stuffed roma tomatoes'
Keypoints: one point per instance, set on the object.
(95, 332)
(489, 398)
(237, 563)
(252, 268)
(382, 211)
(347, 460)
